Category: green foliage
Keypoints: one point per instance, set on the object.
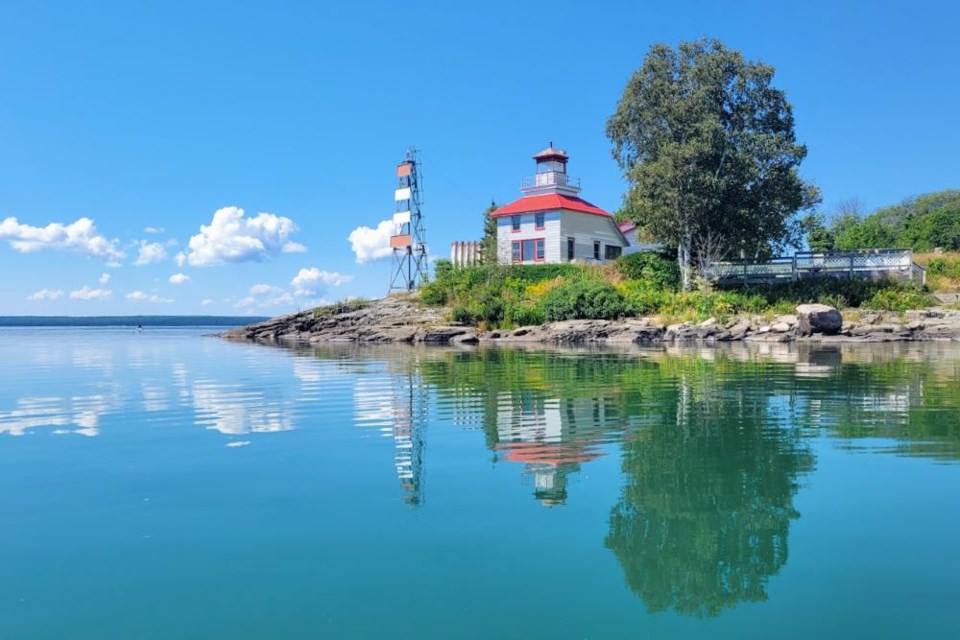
(581, 299)
(819, 237)
(899, 299)
(922, 223)
(944, 267)
(523, 313)
(708, 148)
(433, 294)
(653, 268)
(488, 244)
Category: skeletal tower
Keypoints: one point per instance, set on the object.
(408, 242)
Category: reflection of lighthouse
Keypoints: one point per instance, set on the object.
(552, 437)
(409, 426)
(397, 406)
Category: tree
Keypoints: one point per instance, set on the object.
(707, 146)
(819, 237)
(488, 245)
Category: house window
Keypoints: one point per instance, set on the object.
(533, 250)
(612, 252)
(596, 250)
(540, 220)
(570, 249)
(515, 221)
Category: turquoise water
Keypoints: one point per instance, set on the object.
(170, 485)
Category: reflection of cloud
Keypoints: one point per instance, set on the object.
(374, 401)
(84, 412)
(154, 398)
(232, 409)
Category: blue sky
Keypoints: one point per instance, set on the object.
(127, 125)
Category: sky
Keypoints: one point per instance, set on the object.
(217, 157)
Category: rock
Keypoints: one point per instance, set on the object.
(709, 322)
(465, 338)
(764, 329)
(780, 327)
(818, 318)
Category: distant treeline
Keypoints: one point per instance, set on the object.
(922, 223)
(128, 321)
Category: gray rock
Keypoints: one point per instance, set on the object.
(780, 327)
(818, 318)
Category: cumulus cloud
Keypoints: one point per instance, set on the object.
(179, 278)
(150, 253)
(80, 237)
(372, 244)
(46, 294)
(86, 293)
(265, 295)
(308, 281)
(104, 278)
(140, 296)
(232, 237)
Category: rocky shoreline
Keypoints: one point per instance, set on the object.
(400, 319)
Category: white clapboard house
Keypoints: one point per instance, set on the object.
(551, 223)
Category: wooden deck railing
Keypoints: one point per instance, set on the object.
(896, 264)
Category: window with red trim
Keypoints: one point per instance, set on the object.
(531, 250)
(515, 223)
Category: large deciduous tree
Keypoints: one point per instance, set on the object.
(708, 148)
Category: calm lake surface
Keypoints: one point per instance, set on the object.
(169, 485)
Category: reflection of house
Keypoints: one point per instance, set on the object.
(551, 223)
(552, 437)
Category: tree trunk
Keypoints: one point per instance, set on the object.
(685, 260)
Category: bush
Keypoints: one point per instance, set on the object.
(653, 268)
(522, 314)
(433, 293)
(584, 299)
(900, 300)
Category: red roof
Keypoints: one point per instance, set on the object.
(549, 202)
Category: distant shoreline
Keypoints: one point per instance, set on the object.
(129, 321)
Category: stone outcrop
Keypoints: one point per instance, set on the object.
(390, 319)
(402, 319)
(818, 318)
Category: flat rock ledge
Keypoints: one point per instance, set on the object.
(399, 319)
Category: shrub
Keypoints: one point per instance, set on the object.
(584, 299)
(523, 314)
(653, 268)
(433, 293)
(900, 300)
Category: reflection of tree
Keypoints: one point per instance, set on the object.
(703, 520)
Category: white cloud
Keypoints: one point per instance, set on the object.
(180, 258)
(80, 237)
(265, 295)
(140, 296)
(104, 278)
(154, 229)
(232, 237)
(207, 301)
(150, 253)
(260, 289)
(294, 247)
(46, 294)
(372, 244)
(307, 281)
(86, 293)
(179, 278)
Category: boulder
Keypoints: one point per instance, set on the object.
(818, 318)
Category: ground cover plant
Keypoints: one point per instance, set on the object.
(507, 296)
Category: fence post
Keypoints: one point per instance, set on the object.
(793, 268)
(851, 265)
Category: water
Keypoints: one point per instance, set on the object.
(170, 485)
